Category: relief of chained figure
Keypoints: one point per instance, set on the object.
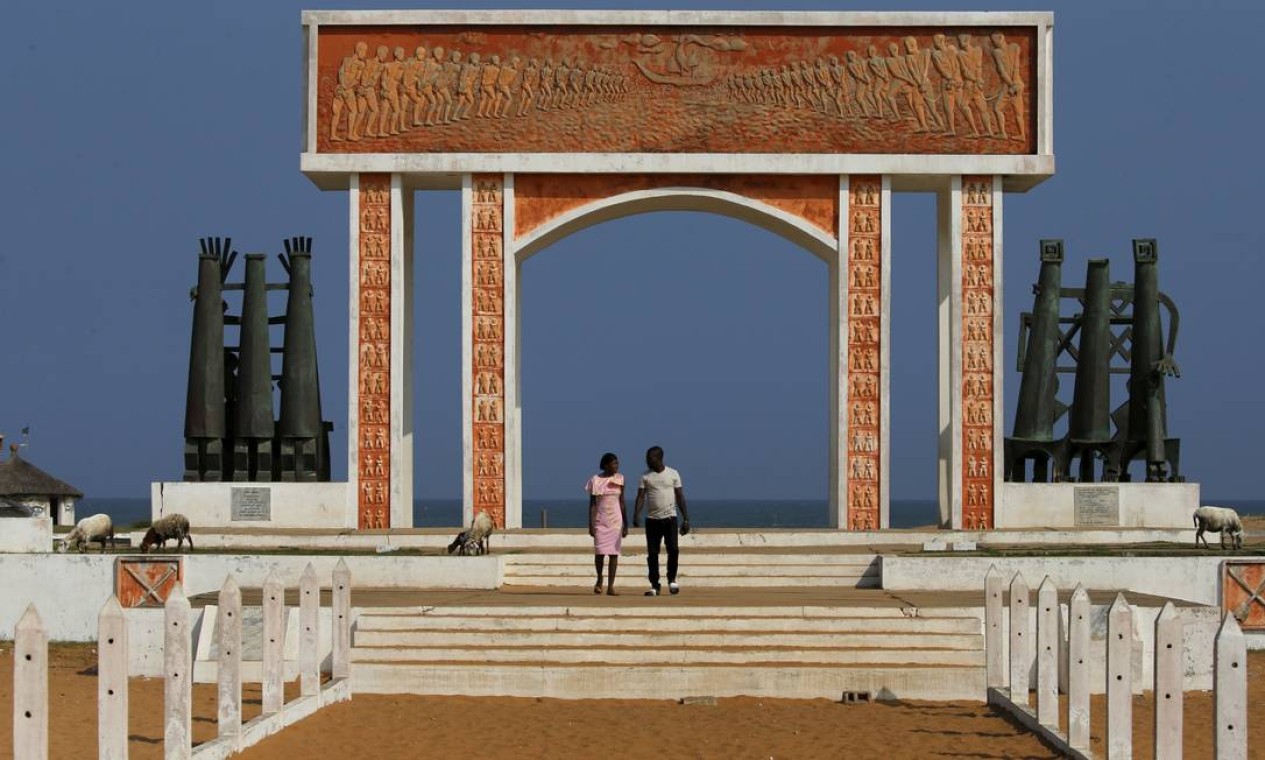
(859, 72)
(345, 93)
(949, 65)
(971, 58)
(368, 108)
(1010, 91)
(410, 89)
(881, 89)
(487, 78)
(918, 64)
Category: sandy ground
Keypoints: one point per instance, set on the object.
(407, 726)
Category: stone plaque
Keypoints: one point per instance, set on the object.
(249, 504)
(1243, 592)
(1097, 506)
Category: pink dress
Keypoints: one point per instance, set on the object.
(609, 523)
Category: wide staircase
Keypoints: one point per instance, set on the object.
(723, 567)
(758, 642)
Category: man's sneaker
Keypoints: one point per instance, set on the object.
(652, 592)
(673, 588)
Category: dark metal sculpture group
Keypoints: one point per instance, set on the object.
(230, 432)
(1116, 329)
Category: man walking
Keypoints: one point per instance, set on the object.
(661, 490)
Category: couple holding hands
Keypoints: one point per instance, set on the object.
(659, 492)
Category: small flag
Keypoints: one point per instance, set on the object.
(26, 430)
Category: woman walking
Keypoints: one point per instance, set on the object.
(608, 518)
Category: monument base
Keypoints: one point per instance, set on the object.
(1097, 505)
(254, 505)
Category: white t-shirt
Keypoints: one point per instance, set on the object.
(660, 492)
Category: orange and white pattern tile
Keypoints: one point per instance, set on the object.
(487, 322)
(374, 356)
(865, 322)
(977, 390)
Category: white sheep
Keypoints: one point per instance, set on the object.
(476, 540)
(170, 526)
(1221, 520)
(98, 527)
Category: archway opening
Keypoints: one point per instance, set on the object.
(699, 333)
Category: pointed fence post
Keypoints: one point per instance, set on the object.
(229, 628)
(1020, 657)
(1120, 680)
(1230, 711)
(1169, 670)
(1078, 669)
(30, 686)
(342, 620)
(309, 632)
(274, 643)
(112, 682)
(178, 677)
(1048, 654)
(994, 648)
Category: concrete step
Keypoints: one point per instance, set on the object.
(635, 581)
(585, 611)
(889, 639)
(656, 624)
(701, 571)
(824, 558)
(599, 681)
(636, 655)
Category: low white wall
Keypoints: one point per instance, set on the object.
(70, 589)
(26, 534)
(1194, 579)
(1140, 505)
(291, 505)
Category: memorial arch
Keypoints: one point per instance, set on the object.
(802, 123)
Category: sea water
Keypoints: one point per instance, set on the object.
(573, 512)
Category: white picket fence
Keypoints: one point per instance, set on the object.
(30, 671)
(1008, 682)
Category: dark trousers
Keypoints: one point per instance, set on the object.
(664, 530)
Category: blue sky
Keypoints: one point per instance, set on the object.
(130, 131)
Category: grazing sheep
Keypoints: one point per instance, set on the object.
(170, 526)
(1221, 520)
(476, 540)
(98, 527)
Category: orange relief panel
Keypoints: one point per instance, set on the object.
(146, 581)
(374, 474)
(541, 198)
(978, 456)
(865, 315)
(606, 89)
(487, 278)
(1243, 593)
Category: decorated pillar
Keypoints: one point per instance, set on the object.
(970, 479)
(862, 420)
(484, 346)
(379, 397)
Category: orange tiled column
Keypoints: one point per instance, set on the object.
(373, 357)
(979, 383)
(864, 432)
(486, 278)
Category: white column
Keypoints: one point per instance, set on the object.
(512, 364)
(30, 686)
(229, 669)
(309, 632)
(401, 354)
(838, 315)
(994, 642)
(885, 362)
(1119, 680)
(177, 677)
(1230, 711)
(274, 644)
(1078, 669)
(1020, 646)
(1048, 654)
(341, 620)
(949, 297)
(112, 682)
(1169, 668)
(353, 351)
(467, 348)
(999, 355)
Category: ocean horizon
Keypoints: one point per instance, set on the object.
(572, 512)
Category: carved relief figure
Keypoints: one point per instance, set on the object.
(345, 93)
(1009, 95)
